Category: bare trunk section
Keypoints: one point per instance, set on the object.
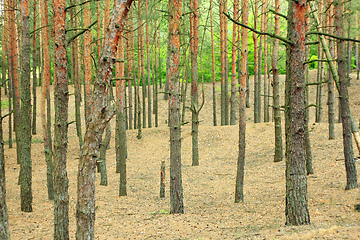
(296, 210)
(239, 192)
(45, 100)
(148, 65)
(213, 64)
(278, 156)
(34, 74)
(256, 82)
(100, 115)
(61, 99)
(233, 65)
(176, 191)
(195, 109)
(120, 119)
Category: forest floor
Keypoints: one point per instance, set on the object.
(210, 211)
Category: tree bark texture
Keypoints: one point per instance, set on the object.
(296, 210)
(4, 224)
(223, 25)
(45, 100)
(278, 156)
(34, 74)
(213, 64)
(239, 188)
(61, 100)
(233, 65)
(24, 134)
(256, 82)
(120, 119)
(99, 115)
(194, 43)
(176, 191)
(351, 173)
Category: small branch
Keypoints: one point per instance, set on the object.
(316, 83)
(78, 34)
(332, 36)
(80, 4)
(316, 60)
(6, 115)
(258, 32)
(123, 78)
(279, 14)
(312, 43)
(38, 29)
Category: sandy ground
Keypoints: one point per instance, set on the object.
(210, 211)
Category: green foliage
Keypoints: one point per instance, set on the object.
(313, 65)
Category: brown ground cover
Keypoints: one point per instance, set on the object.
(210, 211)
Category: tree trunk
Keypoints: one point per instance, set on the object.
(194, 42)
(278, 156)
(176, 191)
(87, 55)
(351, 174)
(357, 47)
(319, 86)
(24, 133)
(34, 82)
(120, 119)
(213, 64)
(239, 192)
(296, 210)
(99, 115)
(256, 82)
(4, 224)
(45, 100)
(233, 65)
(129, 35)
(222, 4)
(148, 65)
(61, 199)
(331, 90)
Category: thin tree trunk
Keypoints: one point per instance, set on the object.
(194, 42)
(87, 56)
(260, 60)
(213, 64)
(100, 115)
(233, 65)
(351, 173)
(148, 65)
(239, 192)
(266, 79)
(256, 82)
(278, 156)
(296, 210)
(45, 100)
(319, 86)
(129, 35)
(176, 191)
(331, 90)
(357, 46)
(25, 112)
(120, 119)
(4, 224)
(223, 60)
(34, 74)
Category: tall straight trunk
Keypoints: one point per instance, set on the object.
(98, 28)
(319, 86)
(4, 224)
(351, 173)
(61, 99)
(142, 65)
(120, 119)
(99, 115)
(87, 54)
(296, 210)
(239, 192)
(14, 51)
(308, 158)
(331, 90)
(25, 112)
(148, 65)
(223, 45)
(349, 48)
(266, 79)
(160, 63)
(140, 71)
(34, 74)
(260, 61)
(45, 100)
(155, 59)
(256, 53)
(233, 65)
(176, 191)
(129, 35)
(194, 43)
(75, 78)
(278, 156)
(213, 64)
